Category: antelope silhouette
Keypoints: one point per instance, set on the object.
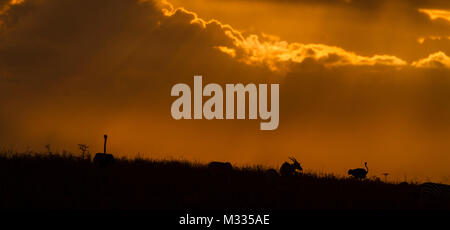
(359, 173)
(287, 169)
(103, 159)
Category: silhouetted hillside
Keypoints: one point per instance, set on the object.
(64, 181)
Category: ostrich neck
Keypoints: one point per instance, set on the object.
(104, 147)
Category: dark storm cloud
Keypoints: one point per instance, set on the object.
(78, 61)
(116, 54)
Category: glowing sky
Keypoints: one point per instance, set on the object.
(359, 80)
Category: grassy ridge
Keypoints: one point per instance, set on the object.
(64, 181)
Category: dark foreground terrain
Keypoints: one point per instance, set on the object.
(54, 181)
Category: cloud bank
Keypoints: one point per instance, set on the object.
(435, 14)
(277, 55)
(435, 60)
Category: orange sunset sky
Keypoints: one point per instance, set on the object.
(359, 80)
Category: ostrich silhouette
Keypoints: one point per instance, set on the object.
(287, 169)
(103, 159)
(359, 173)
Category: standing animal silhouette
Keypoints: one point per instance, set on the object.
(103, 159)
(359, 173)
(287, 169)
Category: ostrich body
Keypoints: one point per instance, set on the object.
(288, 169)
(359, 173)
(103, 159)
